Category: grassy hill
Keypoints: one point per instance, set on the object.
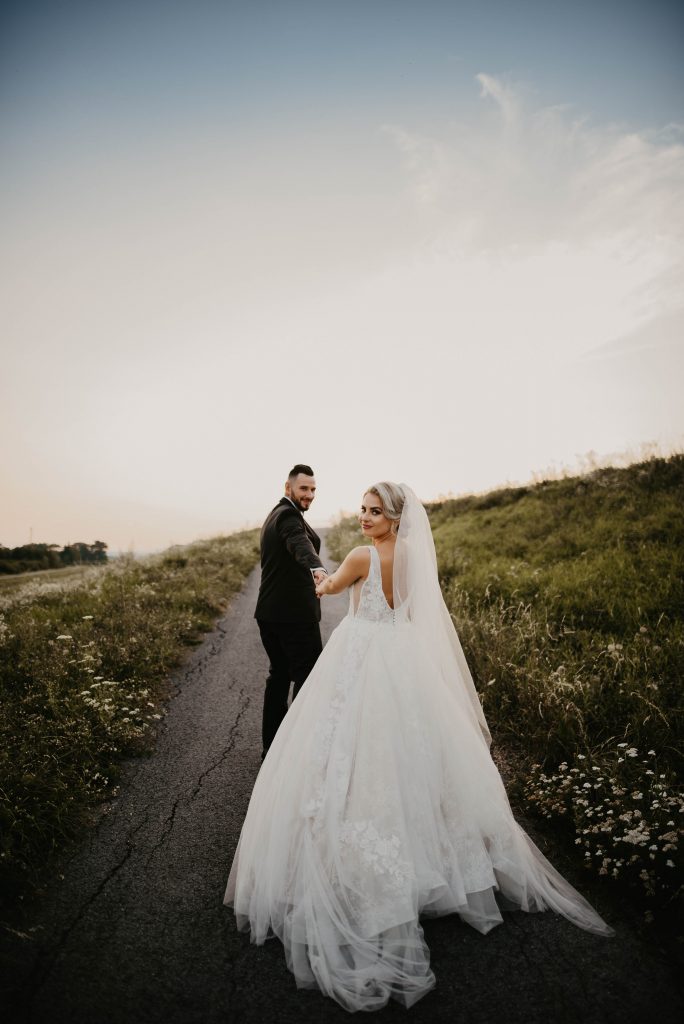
(568, 597)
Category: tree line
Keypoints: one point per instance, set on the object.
(32, 557)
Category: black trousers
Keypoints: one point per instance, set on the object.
(292, 649)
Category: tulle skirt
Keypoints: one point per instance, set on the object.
(377, 802)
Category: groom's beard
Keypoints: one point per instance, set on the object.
(298, 504)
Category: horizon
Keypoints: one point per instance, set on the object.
(587, 464)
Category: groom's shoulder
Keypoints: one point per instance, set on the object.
(283, 508)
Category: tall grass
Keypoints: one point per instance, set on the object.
(84, 663)
(568, 596)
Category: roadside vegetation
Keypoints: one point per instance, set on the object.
(568, 597)
(84, 664)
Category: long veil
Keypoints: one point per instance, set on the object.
(533, 883)
(418, 599)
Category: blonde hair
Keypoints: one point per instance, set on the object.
(392, 498)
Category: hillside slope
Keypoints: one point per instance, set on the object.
(568, 597)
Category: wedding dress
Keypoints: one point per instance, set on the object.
(378, 801)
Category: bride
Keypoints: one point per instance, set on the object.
(378, 800)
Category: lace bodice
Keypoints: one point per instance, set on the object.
(367, 599)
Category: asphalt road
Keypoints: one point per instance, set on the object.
(136, 931)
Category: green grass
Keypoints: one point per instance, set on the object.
(84, 664)
(568, 597)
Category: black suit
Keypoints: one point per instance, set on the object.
(288, 611)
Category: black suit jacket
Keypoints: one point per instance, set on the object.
(289, 551)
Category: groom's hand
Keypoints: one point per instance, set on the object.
(320, 576)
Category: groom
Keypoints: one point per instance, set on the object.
(287, 611)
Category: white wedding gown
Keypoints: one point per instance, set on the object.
(379, 801)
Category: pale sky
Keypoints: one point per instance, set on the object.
(437, 242)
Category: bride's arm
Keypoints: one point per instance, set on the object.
(355, 566)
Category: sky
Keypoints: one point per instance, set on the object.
(433, 242)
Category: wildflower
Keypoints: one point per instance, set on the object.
(652, 753)
(632, 752)
(669, 863)
(86, 616)
(64, 636)
(622, 744)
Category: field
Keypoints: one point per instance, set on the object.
(568, 597)
(11, 584)
(84, 663)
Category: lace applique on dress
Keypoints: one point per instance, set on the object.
(368, 599)
(380, 852)
(368, 604)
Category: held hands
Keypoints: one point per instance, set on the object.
(321, 577)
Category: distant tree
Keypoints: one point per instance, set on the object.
(100, 551)
(33, 557)
(68, 554)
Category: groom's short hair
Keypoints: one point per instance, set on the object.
(300, 467)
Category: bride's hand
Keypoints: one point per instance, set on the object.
(321, 588)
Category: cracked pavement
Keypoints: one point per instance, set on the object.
(136, 932)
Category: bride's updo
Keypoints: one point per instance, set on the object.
(392, 498)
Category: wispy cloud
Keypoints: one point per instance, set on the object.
(523, 182)
(504, 95)
(426, 161)
(662, 333)
(548, 173)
